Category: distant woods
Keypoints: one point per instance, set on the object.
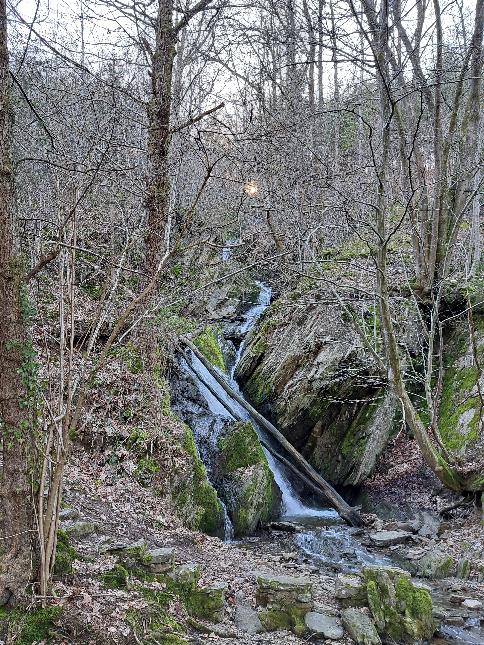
(136, 138)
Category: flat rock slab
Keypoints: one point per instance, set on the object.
(324, 625)
(360, 627)
(247, 620)
(162, 559)
(283, 582)
(286, 527)
(284, 593)
(470, 603)
(389, 538)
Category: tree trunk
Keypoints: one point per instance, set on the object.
(17, 374)
(159, 113)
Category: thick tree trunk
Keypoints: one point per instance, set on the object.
(17, 372)
(159, 114)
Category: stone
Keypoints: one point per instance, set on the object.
(341, 441)
(162, 560)
(207, 602)
(471, 603)
(286, 600)
(80, 530)
(402, 611)
(455, 620)
(285, 527)
(350, 590)
(436, 565)
(389, 538)
(187, 575)
(360, 627)
(324, 625)
(429, 525)
(69, 514)
(281, 589)
(247, 620)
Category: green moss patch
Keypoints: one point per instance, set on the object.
(208, 345)
(116, 578)
(195, 499)
(27, 626)
(239, 447)
(65, 555)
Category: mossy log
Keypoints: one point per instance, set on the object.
(348, 513)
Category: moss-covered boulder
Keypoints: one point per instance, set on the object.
(436, 565)
(207, 602)
(195, 499)
(246, 482)
(305, 368)
(400, 610)
(461, 418)
(285, 601)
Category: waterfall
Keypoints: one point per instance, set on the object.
(292, 505)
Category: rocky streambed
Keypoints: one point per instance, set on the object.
(396, 581)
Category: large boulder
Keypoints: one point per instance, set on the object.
(461, 415)
(285, 601)
(400, 610)
(246, 482)
(304, 366)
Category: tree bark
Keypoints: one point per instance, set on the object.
(159, 114)
(17, 374)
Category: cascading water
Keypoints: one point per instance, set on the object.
(292, 505)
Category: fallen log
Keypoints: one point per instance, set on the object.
(348, 513)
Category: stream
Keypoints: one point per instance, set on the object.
(321, 534)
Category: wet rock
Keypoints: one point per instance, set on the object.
(247, 619)
(458, 621)
(161, 560)
(436, 565)
(286, 600)
(389, 538)
(286, 527)
(360, 627)
(471, 603)
(304, 393)
(207, 602)
(324, 625)
(350, 590)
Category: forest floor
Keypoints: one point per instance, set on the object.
(112, 510)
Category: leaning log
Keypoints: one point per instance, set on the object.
(348, 513)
